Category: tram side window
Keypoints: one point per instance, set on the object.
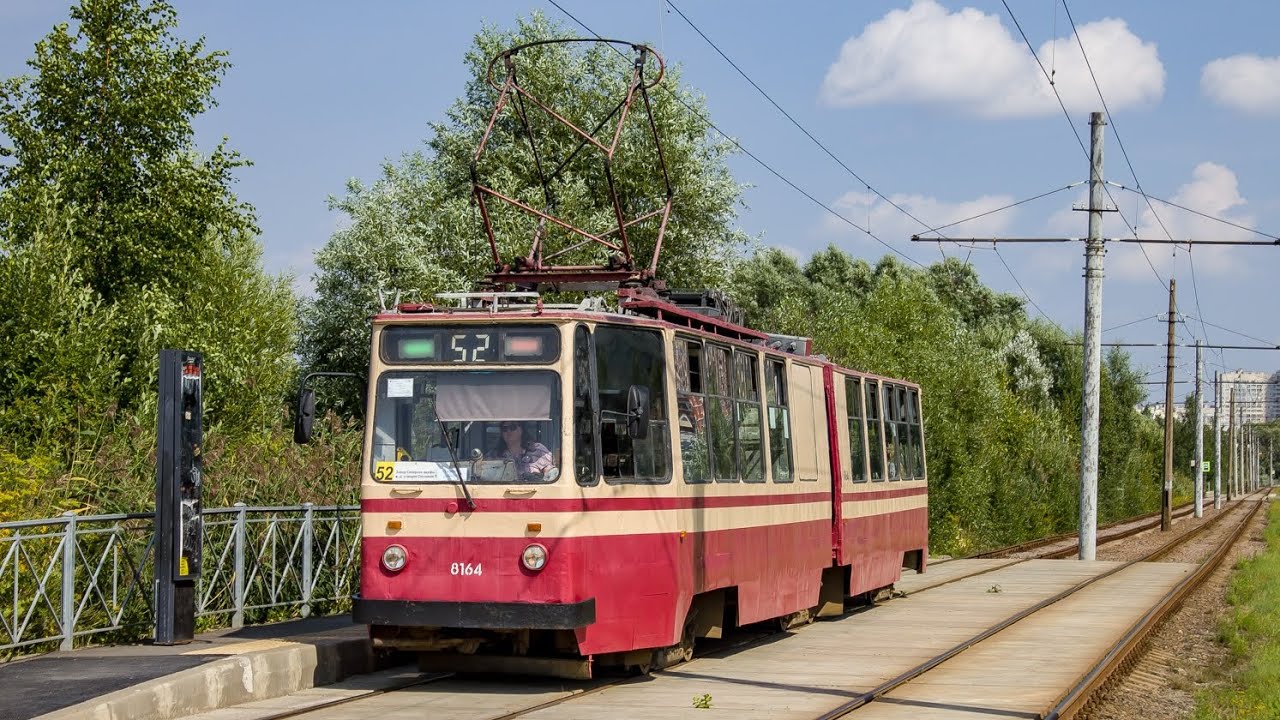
(906, 437)
(584, 410)
(691, 401)
(892, 443)
(917, 429)
(853, 406)
(750, 444)
(724, 438)
(626, 357)
(779, 422)
(875, 434)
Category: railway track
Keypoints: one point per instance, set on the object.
(1079, 695)
(571, 692)
(1117, 530)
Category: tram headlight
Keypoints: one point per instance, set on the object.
(534, 557)
(394, 558)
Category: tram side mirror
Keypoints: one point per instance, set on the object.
(305, 416)
(638, 412)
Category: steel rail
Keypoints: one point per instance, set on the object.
(297, 712)
(1079, 696)
(893, 683)
(758, 639)
(1151, 524)
(1038, 543)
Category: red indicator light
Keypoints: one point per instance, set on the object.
(522, 345)
(191, 371)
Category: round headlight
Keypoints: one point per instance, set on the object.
(394, 558)
(534, 557)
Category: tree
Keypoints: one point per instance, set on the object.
(118, 238)
(101, 170)
(108, 115)
(415, 231)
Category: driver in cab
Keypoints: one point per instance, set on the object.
(532, 459)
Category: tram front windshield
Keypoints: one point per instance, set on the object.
(473, 426)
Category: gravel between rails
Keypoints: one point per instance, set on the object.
(1179, 656)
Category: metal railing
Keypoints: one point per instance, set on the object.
(72, 577)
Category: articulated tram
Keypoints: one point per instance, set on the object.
(555, 489)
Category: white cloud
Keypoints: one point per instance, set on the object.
(968, 60)
(1212, 190)
(1244, 82)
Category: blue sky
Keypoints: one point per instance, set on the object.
(938, 105)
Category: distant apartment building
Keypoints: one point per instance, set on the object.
(1156, 411)
(1256, 395)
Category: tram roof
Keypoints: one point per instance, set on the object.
(633, 306)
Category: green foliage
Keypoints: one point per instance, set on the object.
(416, 230)
(1252, 632)
(1001, 392)
(107, 116)
(117, 239)
(702, 702)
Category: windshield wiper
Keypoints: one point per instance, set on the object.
(453, 456)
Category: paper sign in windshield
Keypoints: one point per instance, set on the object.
(418, 472)
(399, 387)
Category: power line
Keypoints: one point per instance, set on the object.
(748, 153)
(1053, 86)
(1275, 238)
(1003, 208)
(789, 117)
(1233, 332)
(858, 177)
(1132, 322)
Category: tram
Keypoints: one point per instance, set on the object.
(555, 488)
(563, 488)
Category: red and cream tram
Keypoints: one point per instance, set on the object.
(562, 487)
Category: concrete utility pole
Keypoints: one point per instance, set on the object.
(1231, 444)
(1253, 459)
(1166, 497)
(1248, 459)
(1093, 252)
(1199, 434)
(1217, 442)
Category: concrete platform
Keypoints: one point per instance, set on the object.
(823, 665)
(220, 668)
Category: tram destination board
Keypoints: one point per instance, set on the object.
(510, 344)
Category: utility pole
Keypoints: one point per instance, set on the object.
(1166, 497)
(1199, 434)
(1231, 445)
(1217, 441)
(1093, 253)
(1253, 459)
(1248, 459)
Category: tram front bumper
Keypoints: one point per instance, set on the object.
(475, 615)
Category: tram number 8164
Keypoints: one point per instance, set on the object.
(466, 569)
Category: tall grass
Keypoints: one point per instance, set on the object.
(1252, 632)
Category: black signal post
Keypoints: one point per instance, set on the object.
(179, 525)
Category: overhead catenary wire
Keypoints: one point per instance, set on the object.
(1273, 239)
(1079, 141)
(707, 121)
(852, 173)
(862, 180)
(1131, 322)
(1233, 332)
